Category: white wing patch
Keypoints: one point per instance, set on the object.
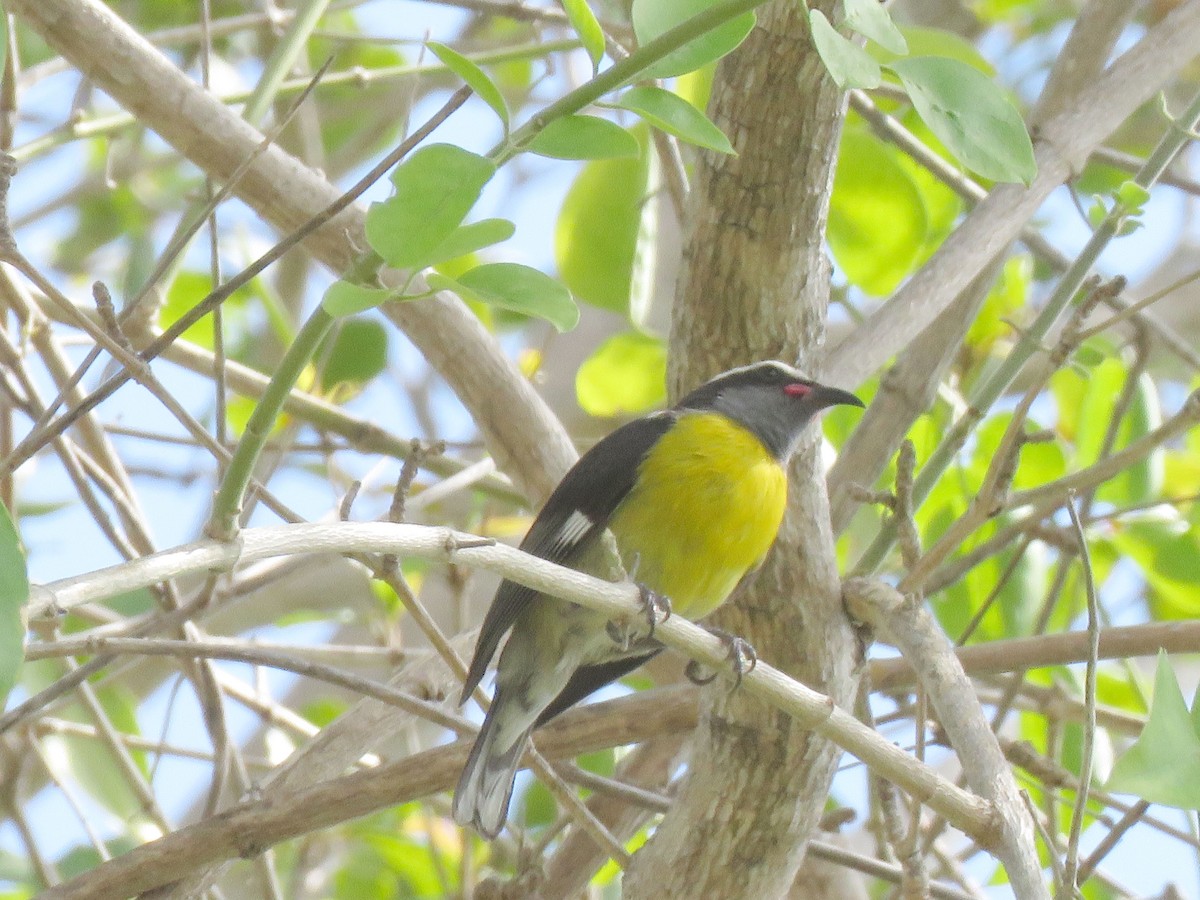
(577, 527)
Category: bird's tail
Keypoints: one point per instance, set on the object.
(486, 785)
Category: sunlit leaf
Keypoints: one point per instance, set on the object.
(435, 189)
(583, 20)
(470, 238)
(971, 116)
(595, 237)
(1141, 481)
(537, 806)
(674, 115)
(876, 215)
(345, 299)
(515, 287)
(583, 137)
(14, 593)
(188, 288)
(1038, 463)
(475, 77)
(1163, 765)
(626, 375)
(1168, 554)
(653, 18)
(1008, 295)
(870, 19)
(358, 354)
(924, 41)
(849, 65)
(1104, 383)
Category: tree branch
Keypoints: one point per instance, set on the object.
(1063, 145)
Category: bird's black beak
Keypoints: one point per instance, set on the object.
(823, 396)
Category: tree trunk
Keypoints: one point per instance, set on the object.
(755, 285)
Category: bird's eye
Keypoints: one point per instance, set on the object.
(795, 389)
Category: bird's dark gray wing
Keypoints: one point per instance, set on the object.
(574, 516)
(586, 679)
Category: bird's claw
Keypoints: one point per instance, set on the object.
(655, 606)
(742, 656)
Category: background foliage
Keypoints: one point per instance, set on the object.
(553, 204)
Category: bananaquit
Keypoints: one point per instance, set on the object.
(693, 497)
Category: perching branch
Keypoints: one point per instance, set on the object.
(809, 708)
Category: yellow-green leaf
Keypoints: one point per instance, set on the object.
(654, 18)
(583, 20)
(849, 65)
(1163, 765)
(475, 77)
(583, 137)
(970, 115)
(626, 375)
(595, 238)
(14, 592)
(515, 287)
(674, 115)
(876, 215)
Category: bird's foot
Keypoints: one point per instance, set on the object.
(741, 656)
(655, 606)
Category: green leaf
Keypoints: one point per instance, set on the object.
(1163, 765)
(1009, 294)
(358, 354)
(937, 42)
(849, 65)
(1038, 463)
(674, 115)
(188, 288)
(338, 107)
(18, 868)
(601, 762)
(1142, 481)
(583, 137)
(626, 375)
(595, 238)
(346, 299)
(14, 592)
(472, 237)
(1103, 386)
(76, 757)
(120, 706)
(970, 115)
(538, 807)
(583, 20)
(1168, 554)
(3, 38)
(871, 20)
(475, 77)
(877, 221)
(435, 189)
(653, 18)
(1132, 196)
(515, 287)
(650, 264)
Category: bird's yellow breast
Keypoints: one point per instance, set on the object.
(705, 509)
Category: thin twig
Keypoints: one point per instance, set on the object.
(1068, 885)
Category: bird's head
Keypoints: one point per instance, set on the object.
(771, 399)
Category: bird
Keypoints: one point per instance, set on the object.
(693, 497)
